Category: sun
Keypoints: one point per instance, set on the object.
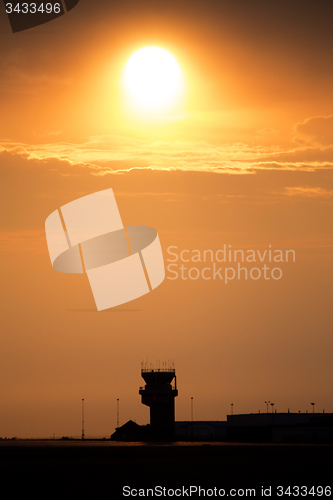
(153, 79)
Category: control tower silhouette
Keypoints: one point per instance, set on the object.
(159, 395)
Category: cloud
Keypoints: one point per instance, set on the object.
(110, 154)
(312, 192)
(23, 241)
(29, 73)
(272, 205)
(317, 131)
(36, 178)
(267, 132)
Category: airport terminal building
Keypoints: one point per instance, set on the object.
(159, 394)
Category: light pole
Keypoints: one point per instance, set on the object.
(313, 407)
(267, 403)
(191, 417)
(117, 413)
(232, 408)
(82, 419)
(272, 404)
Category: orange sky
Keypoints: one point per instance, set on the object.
(244, 160)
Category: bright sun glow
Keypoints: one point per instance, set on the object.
(153, 78)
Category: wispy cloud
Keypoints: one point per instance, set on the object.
(20, 74)
(312, 192)
(108, 154)
(22, 241)
(315, 131)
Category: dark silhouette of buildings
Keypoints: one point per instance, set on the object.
(201, 430)
(281, 428)
(159, 395)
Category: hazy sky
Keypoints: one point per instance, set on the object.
(244, 159)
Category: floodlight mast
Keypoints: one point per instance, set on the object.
(82, 418)
(117, 413)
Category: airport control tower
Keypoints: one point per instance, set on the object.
(159, 395)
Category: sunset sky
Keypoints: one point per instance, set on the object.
(242, 157)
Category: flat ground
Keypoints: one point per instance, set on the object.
(50, 469)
